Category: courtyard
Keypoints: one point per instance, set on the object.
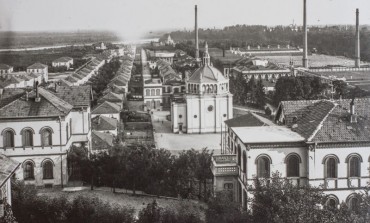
(176, 143)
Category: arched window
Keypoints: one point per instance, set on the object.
(354, 165)
(47, 169)
(46, 137)
(28, 171)
(239, 155)
(8, 138)
(331, 167)
(244, 162)
(157, 92)
(152, 92)
(27, 137)
(331, 203)
(147, 92)
(292, 165)
(353, 202)
(263, 167)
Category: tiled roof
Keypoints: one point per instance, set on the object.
(49, 105)
(247, 120)
(63, 59)
(10, 94)
(329, 121)
(206, 74)
(313, 117)
(102, 123)
(72, 79)
(74, 95)
(112, 97)
(106, 108)
(37, 66)
(337, 127)
(101, 140)
(4, 66)
(7, 168)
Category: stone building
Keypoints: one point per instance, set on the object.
(316, 142)
(39, 127)
(207, 102)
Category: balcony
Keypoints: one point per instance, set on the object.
(224, 165)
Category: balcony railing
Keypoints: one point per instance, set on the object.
(221, 159)
(224, 165)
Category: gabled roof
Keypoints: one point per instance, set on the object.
(4, 66)
(248, 120)
(102, 123)
(37, 66)
(74, 95)
(11, 94)
(7, 168)
(309, 123)
(328, 121)
(62, 59)
(101, 140)
(112, 97)
(106, 108)
(49, 105)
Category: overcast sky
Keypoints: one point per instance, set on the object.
(134, 17)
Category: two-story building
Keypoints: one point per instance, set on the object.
(39, 127)
(5, 69)
(317, 142)
(39, 68)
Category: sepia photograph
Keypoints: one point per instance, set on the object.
(184, 111)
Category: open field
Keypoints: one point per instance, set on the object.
(20, 60)
(10, 39)
(314, 60)
(137, 202)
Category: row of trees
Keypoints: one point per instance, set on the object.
(154, 171)
(28, 207)
(247, 93)
(106, 73)
(311, 88)
(327, 40)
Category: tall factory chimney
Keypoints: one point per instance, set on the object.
(196, 35)
(305, 59)
(357, 47)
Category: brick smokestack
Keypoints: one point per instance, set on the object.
(305, 57)
(196, 34)
(357, 47)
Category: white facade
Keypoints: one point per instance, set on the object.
(321, 151)
(207, 103)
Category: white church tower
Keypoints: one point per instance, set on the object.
(207, 103)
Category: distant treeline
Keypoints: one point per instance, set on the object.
(10, 39)
(333, 40)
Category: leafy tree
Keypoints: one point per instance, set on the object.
(222, 209)
(155, 214)
(260, 94)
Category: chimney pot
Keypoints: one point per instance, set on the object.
(37, 99)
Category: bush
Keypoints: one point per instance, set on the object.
(31, 208)
(154, 214)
